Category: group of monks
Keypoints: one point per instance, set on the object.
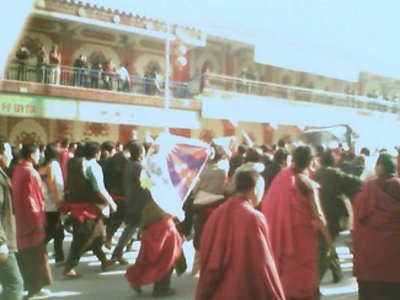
(257, 241)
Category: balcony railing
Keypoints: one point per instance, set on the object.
(266, 89)
(90, 78)
(95, 79)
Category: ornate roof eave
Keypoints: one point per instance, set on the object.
(151, 27)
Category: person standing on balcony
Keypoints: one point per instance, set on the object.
(107, 75)
(204, 80)
(22, 56)
(55, 62)
(95, 74)
(10, 275)
(41, 68)
(78, 70)
(29, 208)
(124, 79)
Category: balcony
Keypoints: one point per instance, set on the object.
(95, 85)
(218, 83)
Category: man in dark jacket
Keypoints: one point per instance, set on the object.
(135, 199)
(336, 189)
(10, 276)
(114, 168)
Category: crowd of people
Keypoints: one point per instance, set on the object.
(263, 222)
(87, 74)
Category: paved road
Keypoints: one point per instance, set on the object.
(98, 285)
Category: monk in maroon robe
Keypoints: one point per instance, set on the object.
(29, 209)
(236, 260)
(160, 251)
(376, 235)
(292, 210)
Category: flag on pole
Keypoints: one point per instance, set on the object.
(247, 139)
(171, 169)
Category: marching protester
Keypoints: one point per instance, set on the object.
(88, 201)
(53, 183)
(291, 207)
(135, 199)
(29, 208)
(208, 194)
(160, 251)
(10, 276)
(114, 168)
(376, 234)
(236, 260)
(336, 190)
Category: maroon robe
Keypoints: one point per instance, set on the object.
(236, 261)
(27, 190)
(161, 247)
(376, 235)
(293, 235)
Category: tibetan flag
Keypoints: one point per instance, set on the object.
(171, 169)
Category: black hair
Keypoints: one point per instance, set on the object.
(241, 149)
(28, 149)
(218, 152)
(365, 151)
(79, 152)
(281, 154)
(51, 153)
(108, 146)
(245, 179)
(302, 157)
(265, 148)
(253, 155)
(327, 159)
(387, 162)
(281, 143)
(91, 149)
(136, 149)
(65, 143)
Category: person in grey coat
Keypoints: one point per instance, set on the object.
(10, 276)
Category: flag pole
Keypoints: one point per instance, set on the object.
(167, 99)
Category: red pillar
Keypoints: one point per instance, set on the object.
(126, 132)
(268, 134)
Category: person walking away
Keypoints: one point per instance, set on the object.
(376, 234)
(336, 190)
(236, 258)
(293, 212)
